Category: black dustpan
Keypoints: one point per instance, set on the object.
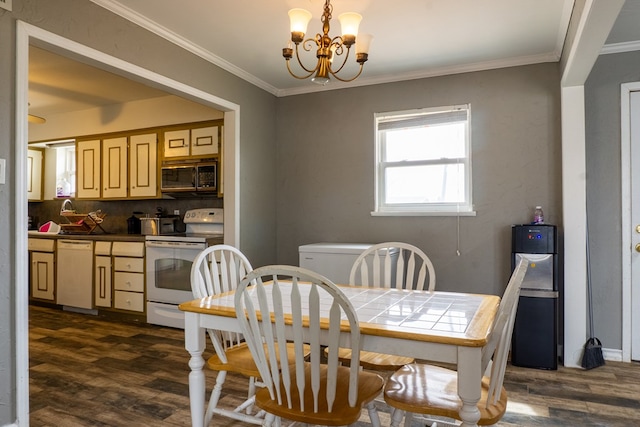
(592, 355)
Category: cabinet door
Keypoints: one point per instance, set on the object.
(88, 169)
(114, 168)
(204, 141)
(102, 281)
(176, 143)
(34, 175)
(143, 165)
(42, 275)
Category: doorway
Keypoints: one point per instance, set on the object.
(630, 184)
(27, 35)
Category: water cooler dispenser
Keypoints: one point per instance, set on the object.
(535, 333)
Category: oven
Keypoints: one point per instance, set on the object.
(169, 259)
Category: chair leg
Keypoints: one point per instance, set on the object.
(251, 393)
(396, 418)
(408, 419)
(373, 413)
(215, 396)
(269, 419)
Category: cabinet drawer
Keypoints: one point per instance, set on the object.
(102, 248)
(128, 281)
(41, 245)
(135, 265)
(128, 301)
(128, 249)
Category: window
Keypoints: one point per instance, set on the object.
(423, 162)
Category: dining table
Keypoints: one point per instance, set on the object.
(449, 327)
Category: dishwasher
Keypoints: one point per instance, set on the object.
(74, 277)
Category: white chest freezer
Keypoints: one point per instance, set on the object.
(332, 260)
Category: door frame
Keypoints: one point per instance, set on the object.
(27, 34)
(626, 249)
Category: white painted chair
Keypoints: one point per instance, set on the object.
(433, 391)
(378, 267)
(305, 309)
(215, 270)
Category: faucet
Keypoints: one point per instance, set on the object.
(66, 208)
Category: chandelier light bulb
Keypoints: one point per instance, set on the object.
(349, 22)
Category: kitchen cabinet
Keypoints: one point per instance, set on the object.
(34, 174)
(102, 274)
(200, 141)
(128, 276)
(143, 165)
(88, 169)
(114, 168)
(42, 271)
(118, 168)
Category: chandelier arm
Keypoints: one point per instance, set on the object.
(296, 76)
(334, 74)
(309, 40)
(344, 61)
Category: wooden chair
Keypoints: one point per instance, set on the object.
(215, 270)
(306, 308)
(432, 390)
(377, 267)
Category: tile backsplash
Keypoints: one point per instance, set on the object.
(117, 211)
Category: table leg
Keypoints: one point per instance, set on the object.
(195, 343)
(469, 384)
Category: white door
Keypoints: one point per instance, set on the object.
(634, 112)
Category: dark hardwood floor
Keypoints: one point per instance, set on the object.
(88, 371)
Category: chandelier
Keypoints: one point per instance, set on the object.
(327, 48)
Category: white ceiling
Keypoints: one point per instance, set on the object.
(412, 39)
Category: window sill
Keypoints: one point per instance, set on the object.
(422, 213)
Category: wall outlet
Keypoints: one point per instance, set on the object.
(3, 170)
(176, 211)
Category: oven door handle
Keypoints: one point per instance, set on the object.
(175, 245)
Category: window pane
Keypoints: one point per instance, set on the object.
(425, 184)
(425, 143)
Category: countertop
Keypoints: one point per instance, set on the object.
(94, 237)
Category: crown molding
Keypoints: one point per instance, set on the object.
(620, 47)
(144, 22)
(430, 72)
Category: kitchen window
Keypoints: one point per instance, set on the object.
(423, 162)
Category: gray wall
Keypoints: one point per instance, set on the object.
(325, 177)
(86, 23)
(602, 111)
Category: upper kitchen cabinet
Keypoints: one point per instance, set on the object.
(118, 167)
(34, 174)
(88, 169)
(114, 168)
(196, 140)
(143, 165)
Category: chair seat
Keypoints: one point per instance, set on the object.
(369, 386)
(428, 389)
(376, 361)
(240, 360)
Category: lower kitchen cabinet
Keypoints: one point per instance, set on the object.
(42, 271)
(102, 274)
(128, 276)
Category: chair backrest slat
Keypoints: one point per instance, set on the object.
(218, 269)
(500, 338)
(284, 299)
(375, 267)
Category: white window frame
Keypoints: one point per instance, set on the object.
(418, 116)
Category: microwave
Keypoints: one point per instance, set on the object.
(201, 176)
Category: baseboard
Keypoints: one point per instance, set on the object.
(612, 354)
